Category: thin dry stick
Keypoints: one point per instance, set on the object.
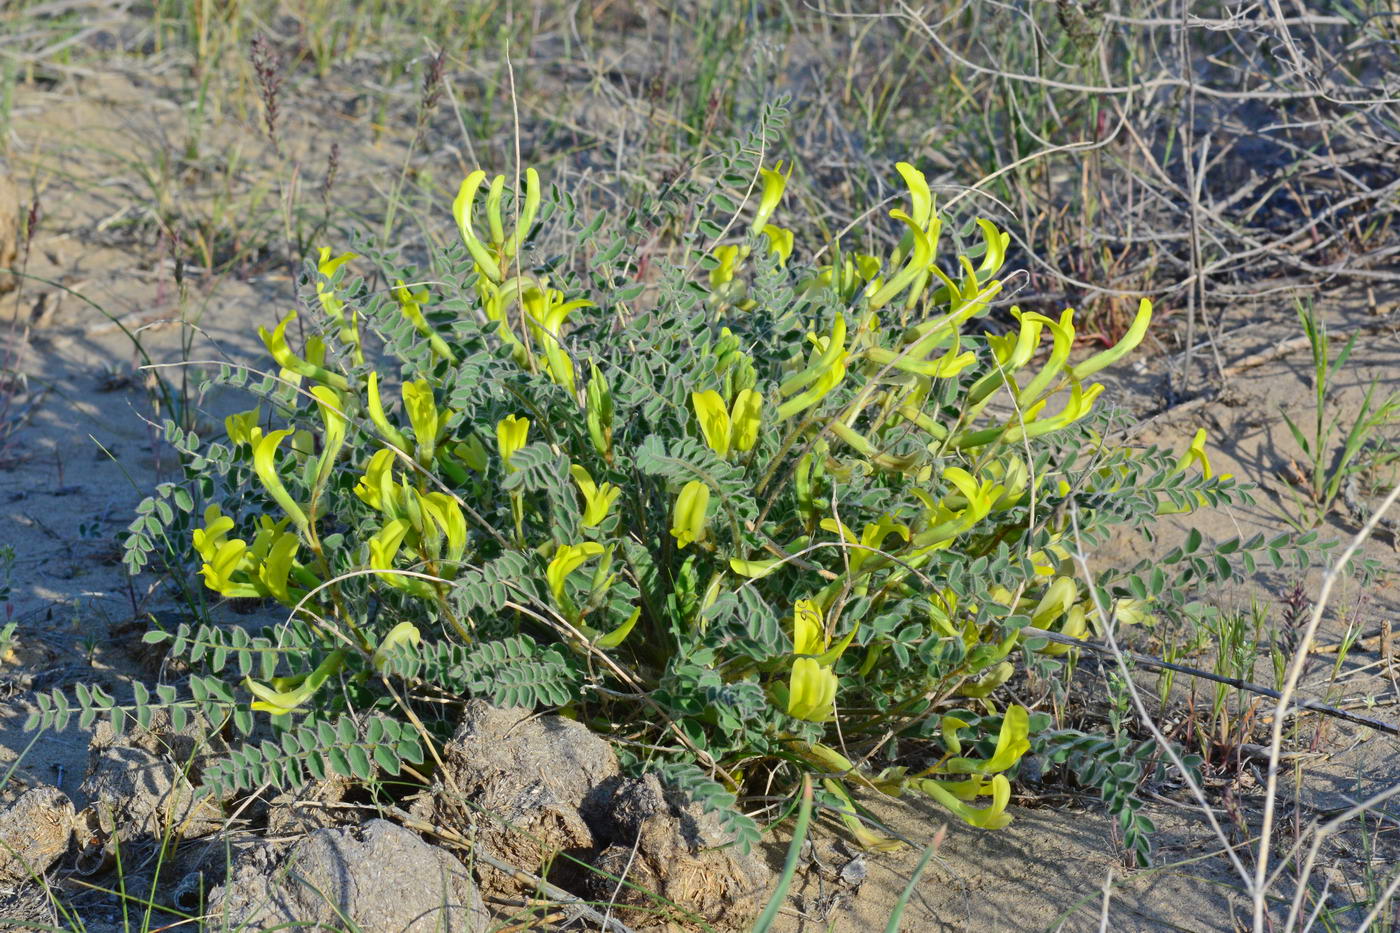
(1159, 664)
(461, 124)
(1194, 305)
(519, 279)
(1373, 642)
(1107, 894)
(1295, 671)
(526, 925)
(1141, 708)
(1153, 84)
(1319, 835)
(535, 881)
(1231, 23)
(622, 878)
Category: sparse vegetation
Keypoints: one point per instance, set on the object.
(590, 500)
(1326, 472)
(697, 512)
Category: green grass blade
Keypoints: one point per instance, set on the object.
(799, 835)
(1345, 354)
(903, 902)
(1297, 434)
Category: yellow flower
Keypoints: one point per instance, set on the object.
(714, 419)
(405, 633)
(223, 557)
(1196, 453)
(1136, 331)
(266, 468)
(597, 500)
(242, 428)
(287, 694)
(327, 267)
(774, 182)
(745, 419)
(780, 242)
(276, 343)
(812, 684)
(811, 691)
(547, 312)
(688, 518)
(729, 257)
(826, 367)
(567, 559)
(732, 429)
(808, 633)
(376, 488)
(511, 432)
(1059, 597)
(428, 422)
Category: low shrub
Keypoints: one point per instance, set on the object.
(750, 512)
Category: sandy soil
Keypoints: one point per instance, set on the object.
(88, 452)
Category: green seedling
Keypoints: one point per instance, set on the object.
(1328, 469)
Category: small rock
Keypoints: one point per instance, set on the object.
(832, 859)
(34, 831)
(144, 782)
(679, 853)
(523, 780)
(378, 876)
(854, 872)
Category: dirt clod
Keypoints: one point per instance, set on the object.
(678, 852)
(301, 811)
(378, 876)
(34, 831)
(144, 782)
(521, 780)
